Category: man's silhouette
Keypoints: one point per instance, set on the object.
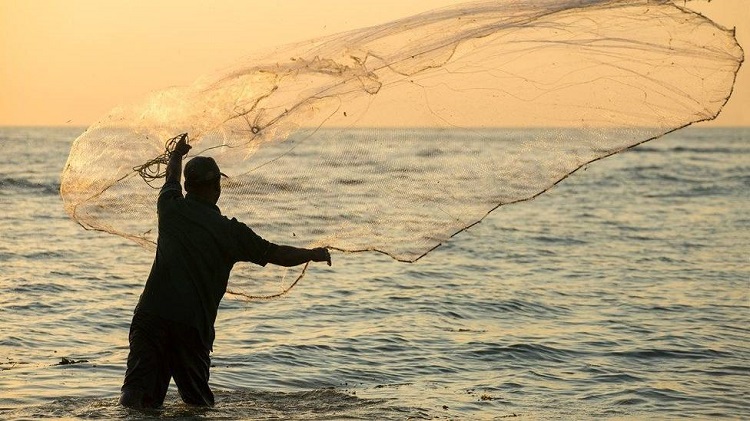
(172, 331)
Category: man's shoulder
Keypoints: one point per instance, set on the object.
(168, 194)
(171, 187)
(237, 224)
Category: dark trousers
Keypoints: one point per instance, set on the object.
(161, 349)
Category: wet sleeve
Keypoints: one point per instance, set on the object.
(251, 247)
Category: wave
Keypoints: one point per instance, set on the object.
(521, 307)
(316, 404)
(521, 352)
(653, 354)
(708, 150)
(11, 184)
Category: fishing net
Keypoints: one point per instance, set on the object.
(389, 139)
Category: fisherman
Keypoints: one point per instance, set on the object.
(172, 331)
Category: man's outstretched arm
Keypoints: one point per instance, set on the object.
(292, 256)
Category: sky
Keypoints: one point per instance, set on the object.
(68, 62)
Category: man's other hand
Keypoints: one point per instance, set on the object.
(321, 254)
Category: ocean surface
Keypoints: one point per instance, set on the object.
(622, 293)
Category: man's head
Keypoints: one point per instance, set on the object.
(203, 178)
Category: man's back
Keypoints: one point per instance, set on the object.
(196, 250)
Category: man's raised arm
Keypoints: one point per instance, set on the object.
(174, 167)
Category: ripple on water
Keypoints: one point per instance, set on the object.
(243, 404)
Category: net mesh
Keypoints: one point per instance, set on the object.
(386, 138)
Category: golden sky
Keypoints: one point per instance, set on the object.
(68, 62)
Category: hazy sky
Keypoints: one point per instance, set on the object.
(68, 62)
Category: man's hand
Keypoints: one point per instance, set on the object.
(321, 254)
(181, 148)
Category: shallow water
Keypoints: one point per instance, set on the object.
(624, 292)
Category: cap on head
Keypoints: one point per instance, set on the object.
(202, 169)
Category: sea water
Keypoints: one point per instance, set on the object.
(624, 292)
